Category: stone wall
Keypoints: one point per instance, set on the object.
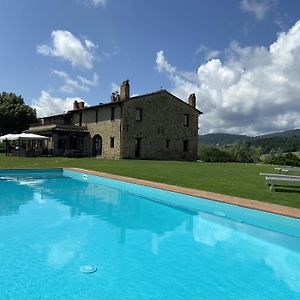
(105, 127)
(161, 131)
(162, 120)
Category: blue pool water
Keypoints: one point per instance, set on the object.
(146, 243)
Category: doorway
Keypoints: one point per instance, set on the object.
(137, 148)
(97, 145)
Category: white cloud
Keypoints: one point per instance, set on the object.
(89, 44)
(67, 46)
(257, 8)
(208, 52)
(114, 87)
(47, 105)
(87, 82)
(162, 64)
(98, 2)
(255, 90)
(73, 85)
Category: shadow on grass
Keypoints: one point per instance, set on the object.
(291, 189)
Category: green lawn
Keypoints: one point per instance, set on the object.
(226, 178)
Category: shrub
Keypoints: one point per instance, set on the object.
(288, 159)
(210, 153)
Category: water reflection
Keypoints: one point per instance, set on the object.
(286, 266)
(158, 239)
(159, 224)
(280, 252)
(123, 210)
(208, 232)
(12, 196)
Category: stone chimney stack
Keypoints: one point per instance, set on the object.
(125, 90)
(115, 97)
(81, 104)
(75, 105)
(192, 100)
(78, 105)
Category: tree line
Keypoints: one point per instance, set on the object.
(264, 151)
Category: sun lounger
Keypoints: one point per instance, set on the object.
(281, 181)
(278, 175)
(288, 170)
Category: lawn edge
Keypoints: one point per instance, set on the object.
(238, 201)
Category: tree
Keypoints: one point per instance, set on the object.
(209, 153)
(15, 115)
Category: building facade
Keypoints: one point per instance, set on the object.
(157, 125)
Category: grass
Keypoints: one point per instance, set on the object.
(234, 179)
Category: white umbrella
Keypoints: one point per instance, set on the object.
(22, 136)
(9, 137)
(6, 138)
(19, 137)
(31, 136)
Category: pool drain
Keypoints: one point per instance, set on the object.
(88, 269)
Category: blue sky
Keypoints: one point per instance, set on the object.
(238, 56)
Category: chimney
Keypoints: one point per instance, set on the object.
(115, 97)
(125, 90)
(192, 100)
(80, 105)
(75, 105)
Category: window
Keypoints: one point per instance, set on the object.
(139, 114)
(112, 142)
(186, 120)
(112, 113)
(96, 115)
(167, 144)
(185, 145)
(80, 119)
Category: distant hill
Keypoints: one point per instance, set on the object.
(222, 139)
(227, 139)
(288, 133)
(286, 141)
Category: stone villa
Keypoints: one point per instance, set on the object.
(157, 125)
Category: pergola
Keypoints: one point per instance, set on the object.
(20, 137)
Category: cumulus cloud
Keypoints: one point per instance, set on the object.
(72, 85)
(162, 64)
(47, 105)
(254, 90)
(67, 46)
(207, 52)
(257, 8)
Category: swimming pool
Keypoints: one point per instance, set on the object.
(146, 243)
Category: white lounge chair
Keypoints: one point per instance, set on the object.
(278, 175)
(288, 170)
(282, 181)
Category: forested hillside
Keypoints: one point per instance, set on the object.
(287, 141)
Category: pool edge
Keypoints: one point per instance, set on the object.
(238, 201)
